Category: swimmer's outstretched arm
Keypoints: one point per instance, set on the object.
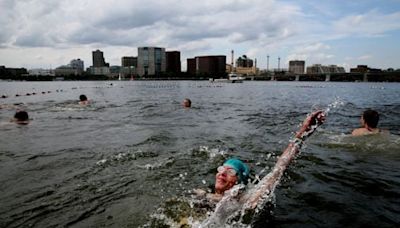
(269, 182)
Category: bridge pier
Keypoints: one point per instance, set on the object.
(365, 77)
(297, 78)
(327, 77)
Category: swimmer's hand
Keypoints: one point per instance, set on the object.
(310, 123)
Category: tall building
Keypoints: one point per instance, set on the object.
(244, 62)
(75, 67)
(100, 67)
(98, 59)
(244, 66)
(297, 66)
(173, 59)
(151, 61)
(213, 65)
(77, 64)
(129, 61)
(129, 66)
(191, 66)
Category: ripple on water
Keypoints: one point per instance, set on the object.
(136, 147)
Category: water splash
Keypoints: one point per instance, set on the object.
(210, 152)
(158, 164)
(226, 210)
(238, 210)
(241, 205)
(337, 103)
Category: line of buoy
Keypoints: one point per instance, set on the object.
(30, 94)
(46, 92)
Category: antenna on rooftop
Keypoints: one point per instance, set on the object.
(279, 63)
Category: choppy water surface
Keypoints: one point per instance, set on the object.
(113, 163)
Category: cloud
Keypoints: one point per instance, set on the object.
(59, 23)
(254, 27)
(194, 47)
(312, 53)
(6, 27)
(312, 48)
(372, 23)
(364, 57)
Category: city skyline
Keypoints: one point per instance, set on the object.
(50, 34)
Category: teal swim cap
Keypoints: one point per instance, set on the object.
(241, 169)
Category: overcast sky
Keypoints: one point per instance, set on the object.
(50, 33)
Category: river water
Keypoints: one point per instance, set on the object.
(114, 162)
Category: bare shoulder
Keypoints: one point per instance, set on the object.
(358, 132)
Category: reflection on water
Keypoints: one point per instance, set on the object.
(113, 163)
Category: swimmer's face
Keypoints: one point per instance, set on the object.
(84, 102)
(186, 104)
(225, 179)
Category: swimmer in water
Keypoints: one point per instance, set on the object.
(234, 171)
(21, 117)
(83, 100)
(235, 200)
(231, 174)
(369, 124)
(187, 103)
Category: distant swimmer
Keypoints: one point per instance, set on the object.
(369, 124)
(83, 100)
(21, 117)
(187, 103)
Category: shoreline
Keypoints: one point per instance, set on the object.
(336, 77)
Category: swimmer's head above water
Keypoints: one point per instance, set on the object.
(369, 124)
(21, 117)
(83, 100)
(232, 172)
(370, 119)
(187, 103)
